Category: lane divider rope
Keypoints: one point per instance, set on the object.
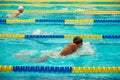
(55, 69)
(68, 11)
(66, 21)
(51, 5)
(61, 0)
(59, 36)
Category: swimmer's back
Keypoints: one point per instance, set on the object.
(15, 14)
(72, 47)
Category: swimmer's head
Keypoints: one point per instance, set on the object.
(21, 9)
(77, 40)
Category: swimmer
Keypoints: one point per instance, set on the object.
(72, 47)
(17, 13)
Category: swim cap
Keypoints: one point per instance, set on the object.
(20, 8)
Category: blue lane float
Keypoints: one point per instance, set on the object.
(43, 36)
(47, 20)
(42, 69)
(2, 21)
(111, 36)
(107, 21)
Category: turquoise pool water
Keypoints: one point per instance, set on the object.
(107, 54)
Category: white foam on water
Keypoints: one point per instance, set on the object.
(52, 53)
(95, 9)
(24, 53)
(86, 49)
(37, 32)
(9, 16)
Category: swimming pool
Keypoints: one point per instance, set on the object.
(105, 48)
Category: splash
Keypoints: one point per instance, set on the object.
(65, 9)
(8, 16)
(86, 49)
(37, 32)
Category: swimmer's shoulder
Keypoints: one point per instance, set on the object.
(15, 14)
(74, 47)
(73, 44)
